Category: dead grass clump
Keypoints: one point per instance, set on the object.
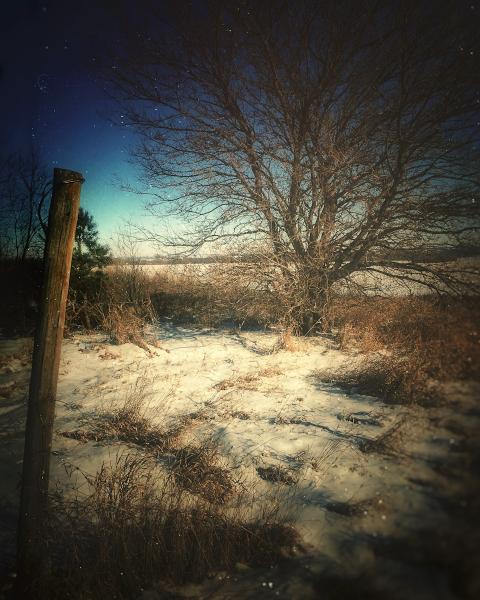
(246, 382)
(242, 382)
(269, 372)
(423, 339)
(287, 341)
(129, 422)
(276, 474)
(196, 469)
(82, 435)
(123, 325)
(240, 414)
(324, 460)
(381, 378)
(117, 301)
(136, 530)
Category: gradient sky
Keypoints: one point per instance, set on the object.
(51, 97)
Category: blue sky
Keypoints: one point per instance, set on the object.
(51, 97)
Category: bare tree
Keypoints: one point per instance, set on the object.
(25, 189)
(341, 137)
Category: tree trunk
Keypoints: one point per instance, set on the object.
(311, 322)
(313, 301)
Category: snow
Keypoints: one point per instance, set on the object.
(266, 407)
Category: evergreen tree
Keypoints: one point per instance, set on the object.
(89, 255)
(87, 275)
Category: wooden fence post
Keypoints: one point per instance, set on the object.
(62, 221)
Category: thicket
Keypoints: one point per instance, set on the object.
(415, 344)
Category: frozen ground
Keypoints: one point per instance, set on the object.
(391, 517)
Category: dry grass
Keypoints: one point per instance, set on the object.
(123, 325)
(137, 529)
(249, 381)
(384, 378)
(196, 469)
(242, 382)
(119, 303)
(277, 474)
(422, 340)
(162, 513)
(323, 461)
(129, 422)
(211, 295)
(287, 341)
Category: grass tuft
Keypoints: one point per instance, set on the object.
(137, 529)
(195, 468)
(276, 474)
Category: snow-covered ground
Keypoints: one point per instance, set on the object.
(380, 510)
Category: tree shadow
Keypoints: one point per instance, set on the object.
(172, 331)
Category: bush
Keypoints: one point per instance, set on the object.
(421, 340)
(119, 304)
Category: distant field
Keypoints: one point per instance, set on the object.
(374, 283)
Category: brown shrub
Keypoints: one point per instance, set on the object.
(122, 324)
(119, 303)
(422, 338)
